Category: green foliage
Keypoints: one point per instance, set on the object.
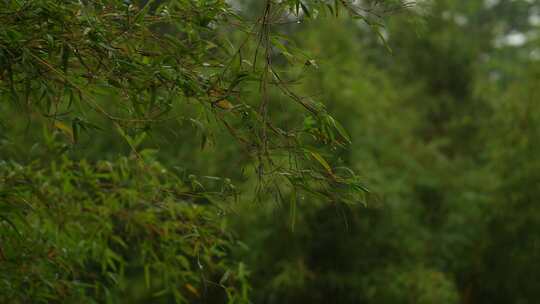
(420, 286)
(132, 65)
(445, 131)
(81, 228)
(111, 231)
(515, 220)
(127, 169)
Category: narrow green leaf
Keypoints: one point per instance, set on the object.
(321, 161)
(224, 277)
(142, 13)
(147, 275)
(341, 130)
(75, 128)
(293, 208)
(305, 10)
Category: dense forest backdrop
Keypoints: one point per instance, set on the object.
(292, 151)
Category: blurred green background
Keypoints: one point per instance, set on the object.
(445, 133)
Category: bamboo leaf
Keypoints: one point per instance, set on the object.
(293, 208)
(321, 161)
(305, 10)
(65, 129)
(147, 276)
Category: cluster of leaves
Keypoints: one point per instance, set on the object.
(447, 130)
(132, 63)
(111, 231)
(85, 231)
(59, 55)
